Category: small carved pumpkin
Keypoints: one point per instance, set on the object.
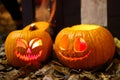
(84, 46)
(42, 25)
(28, 46)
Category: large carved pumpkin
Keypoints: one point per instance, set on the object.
(84, 46)
(28, 46)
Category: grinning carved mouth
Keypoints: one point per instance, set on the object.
(73, 49)
(75, 58)
(28, 57)
(28, 51)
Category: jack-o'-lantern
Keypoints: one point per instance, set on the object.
(84, 46)
(42, 25)
(31, 46)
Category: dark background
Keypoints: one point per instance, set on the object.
(68, 14)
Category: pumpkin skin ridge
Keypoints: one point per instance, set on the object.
(108, 37)
(95, 61)
(9, 49)
(74, 60)
(84, 53)
(92, 39)
(44, 42)
(96, 52)
(103, 56)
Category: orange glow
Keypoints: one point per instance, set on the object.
(21, 43)
(64, 43)
(28, 51)
(78, 51)
(35, 42)
(71, 58)
(80, 44)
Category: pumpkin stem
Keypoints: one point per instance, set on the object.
(33, 27)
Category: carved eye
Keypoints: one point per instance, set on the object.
(65, 43)
(28, 50)
(21, 43)
(79, 44)
(21, 46)
(35, 43)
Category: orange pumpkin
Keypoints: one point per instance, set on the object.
(28, 46)
(84, 46)
(42, 25)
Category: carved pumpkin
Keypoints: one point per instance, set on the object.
(31, 46)
(42, 25)
(84, 46)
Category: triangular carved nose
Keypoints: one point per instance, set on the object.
(28, 51)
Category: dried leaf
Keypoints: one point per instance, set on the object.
(105, 77)
(48, 77)
(47, 69)
(74, 77)
(117, 43)
(62, 70)
(88, 75)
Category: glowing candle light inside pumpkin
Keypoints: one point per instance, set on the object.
(28, 51)
(84, 46)
(80, 45)
(65, 44)
(33, 45)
